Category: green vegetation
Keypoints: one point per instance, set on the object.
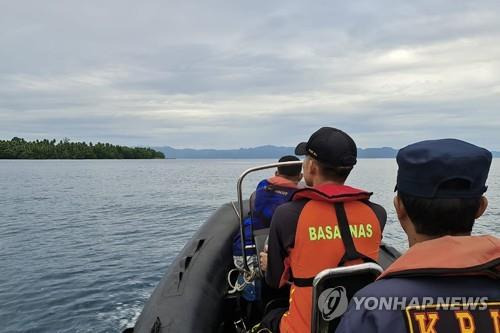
(18, 148)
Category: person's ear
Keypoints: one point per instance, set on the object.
(306, 164)
(301, 176)
(313, 167)
(483, 204)
(403, 218)
(400, 208)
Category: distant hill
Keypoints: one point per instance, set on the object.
(261, 152)
(257, 152)
(384, 152)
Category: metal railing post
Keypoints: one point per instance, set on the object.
(240, 203)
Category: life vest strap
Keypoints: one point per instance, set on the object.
(345, 232)
(306, 282)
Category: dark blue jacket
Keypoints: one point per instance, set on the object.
(433, 272)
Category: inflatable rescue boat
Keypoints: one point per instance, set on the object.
(194, 296)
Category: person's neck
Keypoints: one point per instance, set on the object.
(290, 179)
(322, 181)
(419, 238)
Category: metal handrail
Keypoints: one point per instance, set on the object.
(240, 203)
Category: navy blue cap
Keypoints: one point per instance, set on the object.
(425, 166)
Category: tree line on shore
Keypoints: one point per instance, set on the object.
(18, 148)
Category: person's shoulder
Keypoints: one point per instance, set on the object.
(379, 211)
(262, 183)
(291, 207)
(397, 286)
(360, 318)
(375, 206)
(288, 211)
(375, 289)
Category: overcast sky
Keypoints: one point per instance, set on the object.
(228, 74)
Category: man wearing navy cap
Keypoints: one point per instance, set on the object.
(326, 225)
(448, 281)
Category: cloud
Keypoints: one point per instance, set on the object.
(218, 74)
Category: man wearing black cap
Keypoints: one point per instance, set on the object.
(448, 281)
(324, 226)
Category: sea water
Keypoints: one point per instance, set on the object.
(84, 243)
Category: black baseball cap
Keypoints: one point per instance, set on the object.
(424, 167)
(290, 170)
(331, 147)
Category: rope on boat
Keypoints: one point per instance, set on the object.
(257, 329)
(248, 277)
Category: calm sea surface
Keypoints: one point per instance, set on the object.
(83, 243)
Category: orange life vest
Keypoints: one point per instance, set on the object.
(322, 242)
(457, 255)
(451, 257)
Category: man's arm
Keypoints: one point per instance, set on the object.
(281, 239)
(379, 212)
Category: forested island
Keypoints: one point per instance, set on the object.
(18, 148)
